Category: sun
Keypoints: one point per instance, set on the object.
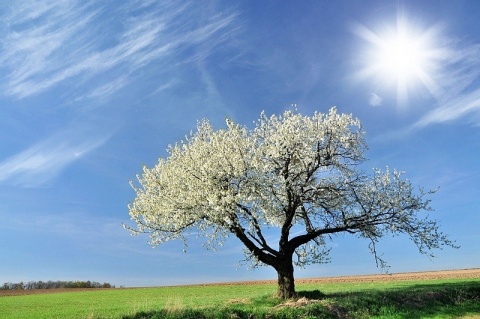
(401, 56)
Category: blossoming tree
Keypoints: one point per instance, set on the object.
(294, 178)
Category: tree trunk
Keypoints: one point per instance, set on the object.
(286, 282)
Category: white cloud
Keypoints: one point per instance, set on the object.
(459, 107)
(46, 44)
(164, 87)
(374, 99)
(109, 88)
(42, 162)
(457, 93)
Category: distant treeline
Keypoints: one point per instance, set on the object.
(53, 285)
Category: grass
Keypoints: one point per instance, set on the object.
(406, 299)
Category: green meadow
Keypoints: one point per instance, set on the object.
(395, 299)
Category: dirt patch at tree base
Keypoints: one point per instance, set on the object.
(302, 302)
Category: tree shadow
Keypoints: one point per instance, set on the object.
(447, 300)
(314, 294)
(413, 302)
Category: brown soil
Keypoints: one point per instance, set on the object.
(425, 275)
(473, 273)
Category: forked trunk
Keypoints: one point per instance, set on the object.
(286, 282)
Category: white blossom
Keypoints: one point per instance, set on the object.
(289, 171)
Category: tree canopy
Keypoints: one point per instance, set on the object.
(299, 177)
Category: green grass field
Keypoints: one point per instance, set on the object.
(458, 298)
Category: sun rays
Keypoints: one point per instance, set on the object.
(402, 56)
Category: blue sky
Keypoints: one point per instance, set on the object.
(91, 91)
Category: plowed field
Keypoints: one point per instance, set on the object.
(426, 275)
(473, 273)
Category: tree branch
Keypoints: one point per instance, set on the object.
(260, 240)
(259, 253)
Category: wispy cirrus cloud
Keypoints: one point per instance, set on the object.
(109, 88)
(52, 43)
(459, 87)
(43, 161)
(458, 107)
